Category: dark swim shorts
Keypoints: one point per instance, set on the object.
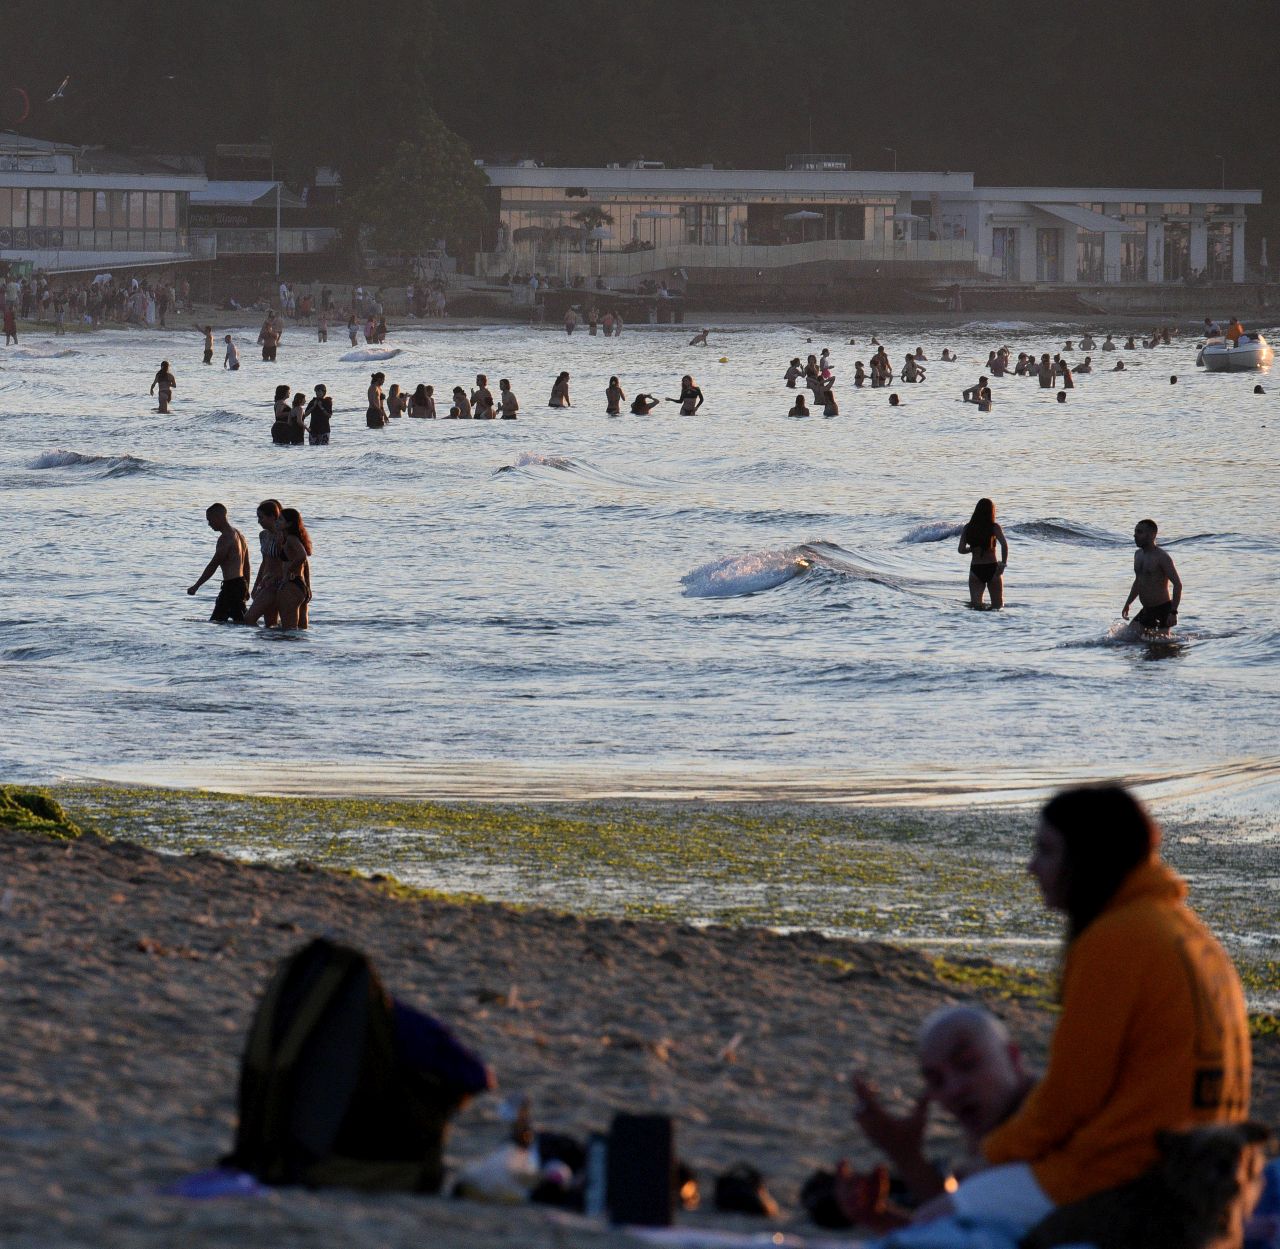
(1156, 617)
(986, 573)
(232, 600)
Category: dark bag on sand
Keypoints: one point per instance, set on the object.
(741, 1190)
(324, 1099)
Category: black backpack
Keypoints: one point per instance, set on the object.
(323, 1098)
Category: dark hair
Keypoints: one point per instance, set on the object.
(1150, 524)
(420, 394)
(293, 525)
(270, 506)
(282, 392)
(219, 509)
(1106, 833)
(980, 532)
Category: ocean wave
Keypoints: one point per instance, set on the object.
(104, 465)
(933, 531)
(736, 576)
(552, 467)
(361, 354)
(40, 352)
(1055, 529)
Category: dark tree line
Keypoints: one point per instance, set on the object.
(1019, 91)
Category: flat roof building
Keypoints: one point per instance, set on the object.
(626, 221)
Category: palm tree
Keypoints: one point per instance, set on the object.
(593, 218)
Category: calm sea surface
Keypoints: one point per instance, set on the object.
(733, 603)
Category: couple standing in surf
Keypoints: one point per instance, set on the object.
(281, 593)
(1153, 569)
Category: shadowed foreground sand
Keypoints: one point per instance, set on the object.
(129, 979)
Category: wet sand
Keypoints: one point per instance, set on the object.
(130, 978)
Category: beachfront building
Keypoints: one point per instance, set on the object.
(257, 219)
(640, 219)
(68, 209)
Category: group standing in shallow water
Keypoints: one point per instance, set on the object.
(281, 592)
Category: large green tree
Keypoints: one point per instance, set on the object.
(428, 188)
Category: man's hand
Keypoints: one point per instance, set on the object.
(901, 1137)
(1124, 612)
(191, 589)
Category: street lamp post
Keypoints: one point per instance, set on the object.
(893, 151)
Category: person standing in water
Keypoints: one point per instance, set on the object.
(614, 398)
(691, 397)
(978, 539)
(232, 359)
(1153, 573)
(163, 379)
(376, 414)
(319, 415)
(294, 595)
(208, 344)
(482, 399)
(560, 393)
(266, 584)
(643, 404)
(231, 554)
(507, 400)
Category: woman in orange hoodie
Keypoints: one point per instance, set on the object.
(1153, 1033)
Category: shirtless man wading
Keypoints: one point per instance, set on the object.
(1153, 573)
(232, 556)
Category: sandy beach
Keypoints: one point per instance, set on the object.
(131, 977)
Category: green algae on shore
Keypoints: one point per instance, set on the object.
(35, 811)
(952, 883)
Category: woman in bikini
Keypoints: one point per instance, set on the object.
(295, 587)
(560, 393)
(691, 397)
(266, 585)
(614, 398)
(376, 416)
(979, 539)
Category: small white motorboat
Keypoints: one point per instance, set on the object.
(1220, 355)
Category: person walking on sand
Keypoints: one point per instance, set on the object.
(978, 539)
(231, 554)
(1153, 573)
(208, 345)
(163, 379)
(232, 359)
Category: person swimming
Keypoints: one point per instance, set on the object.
(799, 408)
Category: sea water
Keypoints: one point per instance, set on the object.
(734, 603)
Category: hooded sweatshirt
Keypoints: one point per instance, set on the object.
(1153, 1036)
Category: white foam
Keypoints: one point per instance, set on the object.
(933, 531)
(40, 351)
(361, 354)
(736, 575)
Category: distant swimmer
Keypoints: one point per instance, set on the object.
(691, 397)
(231, 555)
(793, 373)
(972, 394)
(1069, 345)
(894, 401)
(508, 404)
(353, 330)
(979, 539)
(1024, 366)
(1062, 396)
(1257, 390)
(461, 403)
(1153, 573)
(614, 398)
(1107, 344)
(1173, 379)
(1087, 366)
(829, 405)
(1064, 372)
(422, 403)
(920, 354)
(1129, 344)
(163, 379)
(283, 412)
(1119, 367)
(1087, 343)
(859, 375)
(208, 345)
(232, 359)
(643, 404)
(984, 399)
(799, 408)
(948, 356)
(699, 339)
(560, 393)
(1046, 372)
(570, 321)
(875, 342)
(298, 420)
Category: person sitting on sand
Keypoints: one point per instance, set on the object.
(231, 555)
(978, 540)
(1152, 1034)
(614, 398)
(974, 1070)
(799, 408)
(1153, 573)
(643, 404)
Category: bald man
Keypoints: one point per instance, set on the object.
(973, 1069)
